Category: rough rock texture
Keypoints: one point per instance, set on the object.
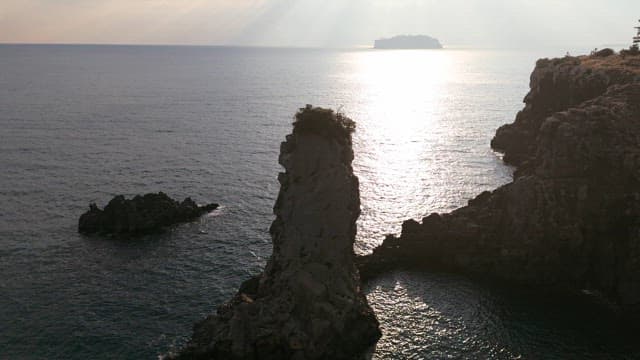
(557, 85)
(142, 214)
(307, 304)
(571, 217)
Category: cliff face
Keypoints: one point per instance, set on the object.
(307, 304)
(571, 217)
(557, 85)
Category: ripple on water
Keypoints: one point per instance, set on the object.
(435, 316)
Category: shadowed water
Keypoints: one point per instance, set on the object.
(84, 123)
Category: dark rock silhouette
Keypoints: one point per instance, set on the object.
(571, 217)
(604, 52)
(142, 214)
(558, 85)
(307, 304)
(408, 42)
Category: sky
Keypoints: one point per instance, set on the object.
(320, 23)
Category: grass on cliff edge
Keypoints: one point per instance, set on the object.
(323, 122)
(627, 62)
(614, 62)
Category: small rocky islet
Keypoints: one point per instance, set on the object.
(143, 214)
(408, 42)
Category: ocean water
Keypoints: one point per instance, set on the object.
(80, 124)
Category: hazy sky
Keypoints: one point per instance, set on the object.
(320, 23)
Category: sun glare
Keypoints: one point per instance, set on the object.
(399, 93)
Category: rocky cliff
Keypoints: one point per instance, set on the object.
(571, 217)
(307, 304)
(558, 85)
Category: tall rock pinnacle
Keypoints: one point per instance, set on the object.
(307, 304)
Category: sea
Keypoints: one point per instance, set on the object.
(83, 123)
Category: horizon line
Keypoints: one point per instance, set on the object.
(352, 47)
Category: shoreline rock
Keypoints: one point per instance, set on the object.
(307, 304)
(571, 217)
(140, 215)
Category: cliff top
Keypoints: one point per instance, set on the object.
(630, 63)
(606, 60)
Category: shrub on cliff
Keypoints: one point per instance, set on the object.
(324, 122)
(604, 52)
(632, 51)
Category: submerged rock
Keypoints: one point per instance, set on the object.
(308, 303)
(571, 217)
(142, 214)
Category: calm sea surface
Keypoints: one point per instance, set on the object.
(80, 124)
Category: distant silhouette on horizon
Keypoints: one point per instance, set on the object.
(408, 42)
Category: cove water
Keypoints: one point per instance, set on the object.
(80, 124)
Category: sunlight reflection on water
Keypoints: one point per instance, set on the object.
(420, 146)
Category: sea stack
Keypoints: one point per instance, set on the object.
(571, 217)
(307, 304)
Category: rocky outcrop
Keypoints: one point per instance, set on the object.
(307, 304)
(557, 85)
(140, 215)
(571, 217)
